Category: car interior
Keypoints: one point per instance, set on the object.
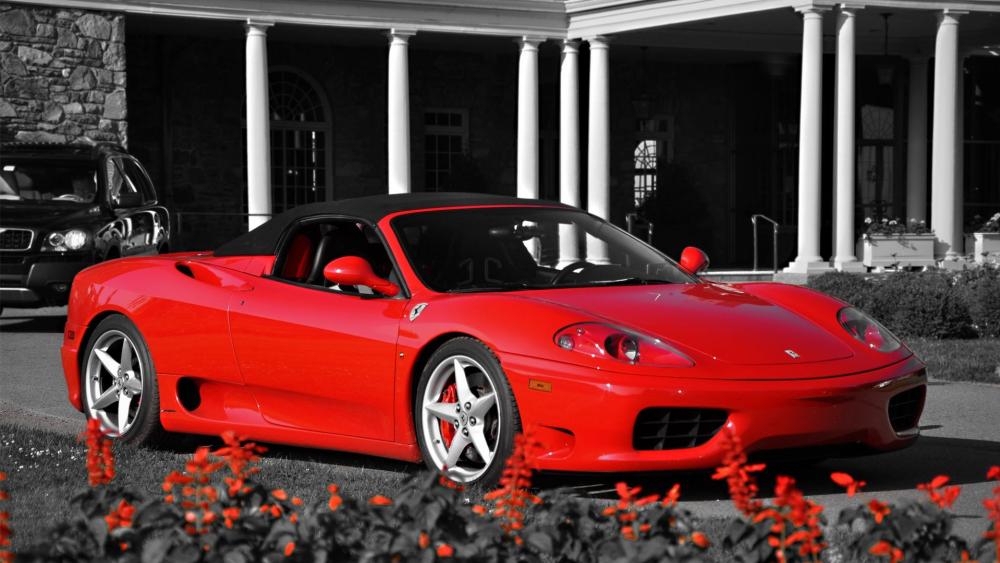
(316, 244)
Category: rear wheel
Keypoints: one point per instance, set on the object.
(466, 416)
(119, 382)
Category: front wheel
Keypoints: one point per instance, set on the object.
(119, 382)
(466, 416)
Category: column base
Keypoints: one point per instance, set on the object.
(851, 265)
(809, 267)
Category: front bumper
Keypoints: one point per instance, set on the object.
(38, 280)
(586, 418)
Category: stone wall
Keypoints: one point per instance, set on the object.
(62, 75)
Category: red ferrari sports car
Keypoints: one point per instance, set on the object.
(437, 326)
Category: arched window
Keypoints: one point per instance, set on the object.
(301, 134)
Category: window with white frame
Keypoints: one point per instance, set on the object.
(446, 140)
(653, 146)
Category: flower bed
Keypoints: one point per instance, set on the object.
(214, 510)
(892, 243)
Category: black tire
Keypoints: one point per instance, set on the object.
(505, 403)
(145, 428)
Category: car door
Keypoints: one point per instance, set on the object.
(319, 359)
(138, 223)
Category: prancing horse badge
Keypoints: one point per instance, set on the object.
(791, 353)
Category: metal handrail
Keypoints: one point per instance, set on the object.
(753, 219)
(630, 222)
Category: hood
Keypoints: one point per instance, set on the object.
(720, 322)
(46, 215)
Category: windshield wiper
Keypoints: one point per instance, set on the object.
(626, 281)
(509, 286)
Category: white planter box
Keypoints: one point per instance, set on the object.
(880, 251)
(987, 248)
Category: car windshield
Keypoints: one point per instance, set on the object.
(48, 180)
(511, 248)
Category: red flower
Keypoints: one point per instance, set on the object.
(513, 495)
(736, 472)
(940, 495)
(379, 500)
(100, 458)
(121, 516)
(289, 548)
(848, 482)
(424, 541)
(879, 510)
(445, 551)
(700, 540)
(279, 494)
(886, 549)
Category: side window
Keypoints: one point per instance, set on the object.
(136, 175)
(116, 181)
(316, 244)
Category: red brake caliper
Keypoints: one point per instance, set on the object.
(449, 395)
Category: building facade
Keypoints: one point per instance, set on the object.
(695, 114)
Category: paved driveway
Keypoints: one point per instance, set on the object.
(960, 434)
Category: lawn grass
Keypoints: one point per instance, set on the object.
(46, 469)
(976, 360)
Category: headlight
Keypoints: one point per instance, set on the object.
(605, 341)
(74, 239)
(867, 331)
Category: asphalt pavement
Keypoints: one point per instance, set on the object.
(960, 435)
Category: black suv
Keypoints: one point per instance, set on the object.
(66, 207)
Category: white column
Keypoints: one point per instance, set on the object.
(599, 143)
(916, 143)
(399, 111)
(845, 155)
(527, 118)
(960, 158)
(945, 200)
(810, 144)
(258, 125)
(569, 146)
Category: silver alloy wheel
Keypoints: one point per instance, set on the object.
(475, 417)
(113, 381)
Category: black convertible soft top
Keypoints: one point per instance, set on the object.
(264, 239)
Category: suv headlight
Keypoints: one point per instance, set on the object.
(62, 241)
(867, 331)
(601, 341)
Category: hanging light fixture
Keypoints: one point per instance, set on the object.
(885, 68)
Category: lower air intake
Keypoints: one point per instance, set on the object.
(667, 428)
(905, 408)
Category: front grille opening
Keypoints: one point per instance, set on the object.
(905, 408)
(15, 239)
(669, 428)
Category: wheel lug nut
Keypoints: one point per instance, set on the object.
(465, 432)
(472, 421)
(458, 408)
(468, 406)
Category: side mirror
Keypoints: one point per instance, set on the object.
(694, 261)
(354, 270)
(127, 200)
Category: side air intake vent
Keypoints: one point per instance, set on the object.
(667, 428)
(905, 408)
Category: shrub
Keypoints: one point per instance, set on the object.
(933, 304)
(979, 288)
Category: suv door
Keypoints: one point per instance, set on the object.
(140, 224)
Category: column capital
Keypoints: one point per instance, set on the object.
(598, 41)
(256, 26)
(814, 10)
(949, 16)
(570, 45)
(530, 42)
(400, 35)
(849, 9)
